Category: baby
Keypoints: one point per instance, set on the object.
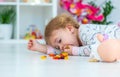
(85, 40)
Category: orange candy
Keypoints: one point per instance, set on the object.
(63, 55)
(51, 54)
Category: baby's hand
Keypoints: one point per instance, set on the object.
(33, 45)
(68, 49)
(36, 46)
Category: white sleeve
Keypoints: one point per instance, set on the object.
(81, 51)
(88, 50)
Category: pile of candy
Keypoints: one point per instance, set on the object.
(63, 55)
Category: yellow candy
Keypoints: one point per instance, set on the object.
(58, 56)
(93, 60)
(43, 57)
(64, 54)
(66, 58)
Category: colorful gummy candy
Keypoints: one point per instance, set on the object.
(63, 55)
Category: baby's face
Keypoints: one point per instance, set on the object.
(62, 37)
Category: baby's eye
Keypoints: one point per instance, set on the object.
(57, 47)
(59, 41)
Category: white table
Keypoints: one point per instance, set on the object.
(17, 61)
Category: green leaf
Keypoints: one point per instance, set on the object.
(7, 14)
(107, 9)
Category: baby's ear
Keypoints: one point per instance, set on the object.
(70, 28)
(100, 37)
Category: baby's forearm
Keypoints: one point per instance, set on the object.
(82, 50)
(42, 48)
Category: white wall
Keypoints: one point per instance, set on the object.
(114, 16)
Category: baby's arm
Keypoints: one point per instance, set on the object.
(79, 51)
(82, 50)
(36, 46)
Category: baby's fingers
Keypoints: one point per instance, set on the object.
(68, 51)
(30, 44)
(67, 47)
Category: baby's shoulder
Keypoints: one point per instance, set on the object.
(88, 27)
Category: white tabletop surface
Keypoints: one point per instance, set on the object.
(17, 61)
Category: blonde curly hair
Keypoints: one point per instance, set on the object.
(60, 21)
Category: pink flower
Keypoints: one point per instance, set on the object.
(96, 18)
(81, 11)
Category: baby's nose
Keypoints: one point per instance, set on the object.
(61, 48)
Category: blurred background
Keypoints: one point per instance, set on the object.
(21, 20)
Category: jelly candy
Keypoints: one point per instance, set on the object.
(43, 57)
